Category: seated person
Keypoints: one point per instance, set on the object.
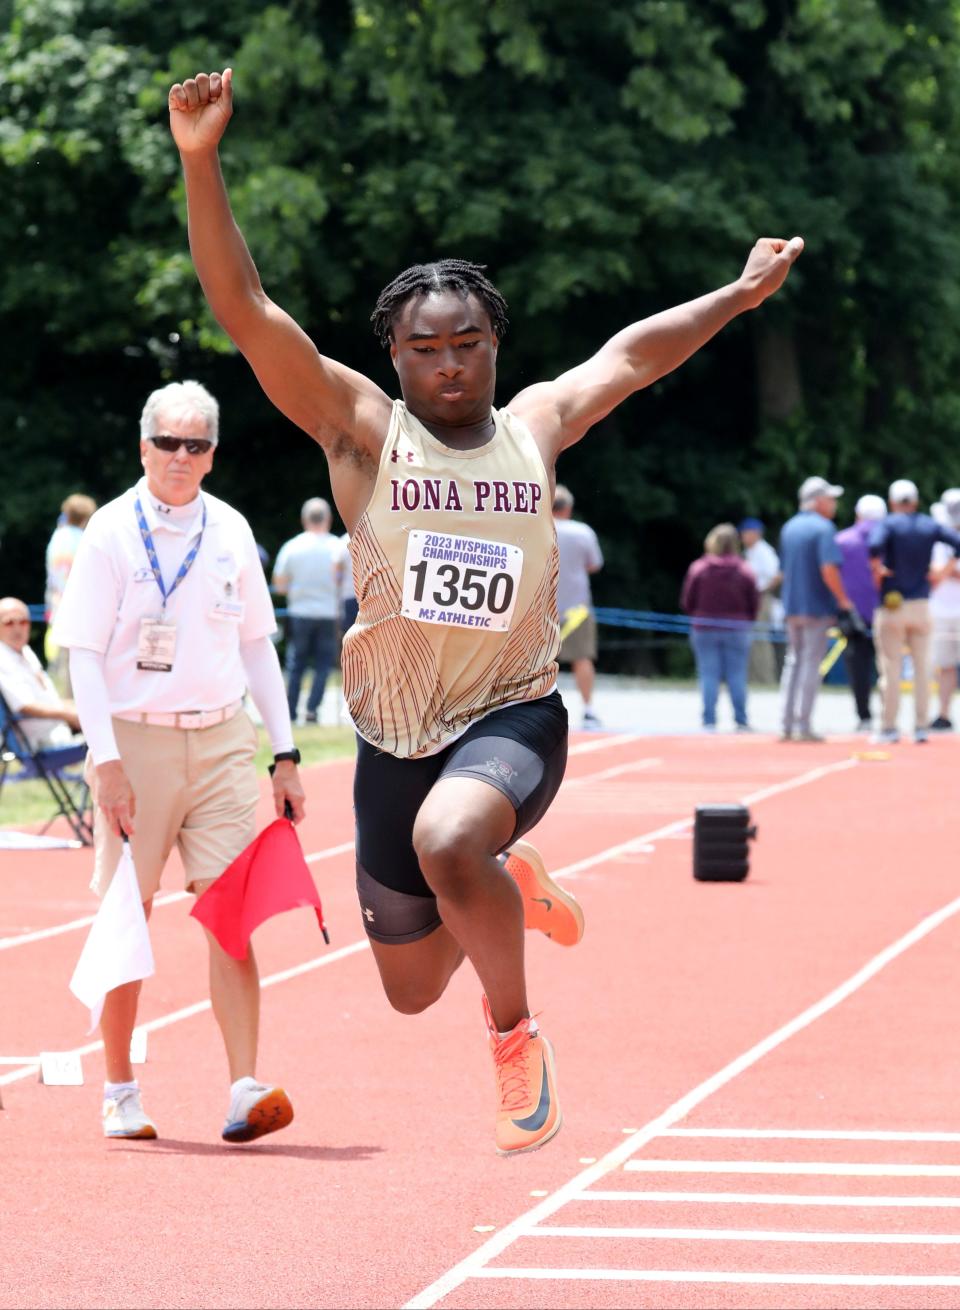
(45, 718)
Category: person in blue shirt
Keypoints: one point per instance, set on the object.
(813, 595)
(900, 550)
(309, 571)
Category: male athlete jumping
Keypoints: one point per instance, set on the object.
(449, 672)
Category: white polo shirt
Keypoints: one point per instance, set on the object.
(222, 602)
(23, 682)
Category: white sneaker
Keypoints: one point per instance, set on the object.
(591, 721)
(255, 1110)
(123, 1116)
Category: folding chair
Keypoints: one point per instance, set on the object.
(53, 767)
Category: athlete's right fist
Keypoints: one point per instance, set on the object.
(200, 110)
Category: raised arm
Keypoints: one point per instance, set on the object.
(560, 412)
(323, 397)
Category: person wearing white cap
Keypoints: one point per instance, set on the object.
(901, 547)
(945, 608)
(858, 658)
(813, 594)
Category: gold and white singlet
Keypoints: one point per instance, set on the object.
(455, 569)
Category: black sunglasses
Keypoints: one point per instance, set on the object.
(194, 445)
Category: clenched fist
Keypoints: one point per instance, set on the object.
(200, 110)
(767, 267)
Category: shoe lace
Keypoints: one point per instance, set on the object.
(512, 1068)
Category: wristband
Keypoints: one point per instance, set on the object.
(293, 755)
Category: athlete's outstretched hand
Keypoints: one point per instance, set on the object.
(767, 267)
(200, 110)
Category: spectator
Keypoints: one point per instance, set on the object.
(721, 595)
(765, 562)
(309, 571)
(45, 718)
(862, 590)
(349, 605)
(580, 555)
(900, 551)
(75, 514)
(945, 608)
(813, 592)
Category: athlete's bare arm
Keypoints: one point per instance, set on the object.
(558, 413)
(340, 408)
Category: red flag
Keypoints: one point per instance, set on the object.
(270, 876)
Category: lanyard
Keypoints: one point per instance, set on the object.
(152, 553)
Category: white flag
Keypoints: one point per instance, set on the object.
(117, 949)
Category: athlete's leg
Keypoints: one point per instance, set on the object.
(461, 827)
(415, 974)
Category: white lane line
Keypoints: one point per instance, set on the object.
(601, 857)
(474, 1264)
(188, 1011)
(702, 1276)
(167, 898)
(815, 1134)
(747, 1235)
(636, 766)
(681, 825)
(605, 743)
(830, 1168)
(772, 1198)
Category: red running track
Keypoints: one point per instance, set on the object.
(758, 1080)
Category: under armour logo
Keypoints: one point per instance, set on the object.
(407, 454)
(368, 915)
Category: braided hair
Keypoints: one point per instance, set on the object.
(443, 275)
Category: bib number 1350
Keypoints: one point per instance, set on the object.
(461, 581)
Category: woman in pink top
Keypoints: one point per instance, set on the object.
(720, 594)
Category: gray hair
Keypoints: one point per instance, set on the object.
(315, 510)
(562, 497)
(186, 397)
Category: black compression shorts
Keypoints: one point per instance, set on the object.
(521, 750)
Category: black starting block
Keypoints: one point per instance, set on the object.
(721, 837)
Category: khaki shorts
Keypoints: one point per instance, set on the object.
(581, 644)
(195, 788)
(946, 643)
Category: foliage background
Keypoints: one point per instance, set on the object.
(603, 161)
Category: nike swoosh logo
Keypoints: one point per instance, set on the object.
(539, 1116)
(542, 900)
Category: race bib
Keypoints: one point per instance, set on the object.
(461, 581)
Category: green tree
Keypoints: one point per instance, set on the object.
(603, 162)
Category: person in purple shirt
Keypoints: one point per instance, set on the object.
(900, 551)
(854, 543)
(720, 594)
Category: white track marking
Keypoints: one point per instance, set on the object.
(167, 898)
(814, 1134)
(831, 1169)
(701, 1276)
(636, 766)
(189, 1011)
(605, 743)
(681, 825)
(475, 1264)
(772, 1198)
(747, 1235)
(611, 853)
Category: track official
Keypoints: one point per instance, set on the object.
(168, 619)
